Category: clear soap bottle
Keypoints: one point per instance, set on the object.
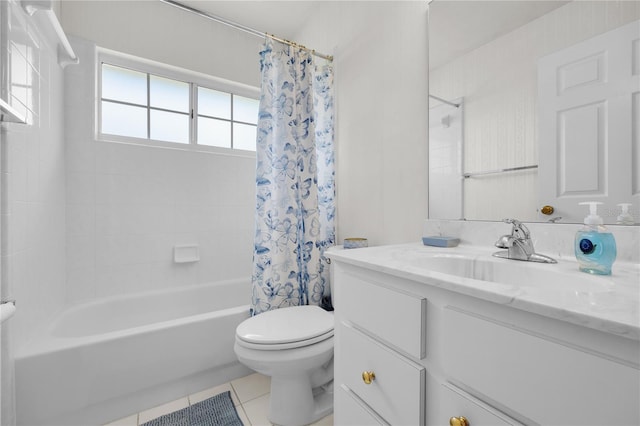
(625, 217)
(595, 246)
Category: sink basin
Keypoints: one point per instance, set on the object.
(532, 276)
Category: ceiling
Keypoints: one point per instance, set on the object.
(282, 18)
(456, 26)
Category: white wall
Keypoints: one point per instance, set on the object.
(499, 84)
(32, 191)
(163, 33)
(129, 205)
(381, 62)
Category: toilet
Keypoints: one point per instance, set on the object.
(294, 346)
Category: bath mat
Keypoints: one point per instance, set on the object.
(215, 411)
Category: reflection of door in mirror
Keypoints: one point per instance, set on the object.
(445, 160)
(588, 116)
(497, 76)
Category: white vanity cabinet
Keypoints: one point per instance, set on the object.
(438, 356)
(379, 333)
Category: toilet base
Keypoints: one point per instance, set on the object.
(301, 381)
(294, 403)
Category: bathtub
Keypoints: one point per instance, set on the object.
(104, 360)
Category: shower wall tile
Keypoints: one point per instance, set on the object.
(114, 219)
(81, 252)
(79, 77)
(80, 188)
(16, 180)
(81, 283)
(130, 249)
(81, 219)
(128, 206)
(80, 156)
(32, 170)
(120, 279)
(161, 274)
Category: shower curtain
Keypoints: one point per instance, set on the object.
(295, 192)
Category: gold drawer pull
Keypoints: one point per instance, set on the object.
(458, 421)
(368, 377)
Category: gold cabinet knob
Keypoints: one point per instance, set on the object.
(458, 421)
(368, 377)
(547, 210)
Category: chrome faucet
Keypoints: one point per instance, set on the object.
(518, 245)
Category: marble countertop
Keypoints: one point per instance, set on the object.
(560, 291)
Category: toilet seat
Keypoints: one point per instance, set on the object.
(286, 328)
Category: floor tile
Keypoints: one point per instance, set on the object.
(163, 409)
(208, 393)
(243, 416)
(127, 421)
(251, 386)
(257, 411)
(325, 421)
(250, 395)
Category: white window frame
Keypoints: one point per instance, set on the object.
(159, 69)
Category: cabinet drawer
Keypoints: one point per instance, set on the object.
(399, 318)
(398, 390)
(351, 411)
(454, 402)
(542, 379)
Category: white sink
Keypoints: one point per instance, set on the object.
(517, 274)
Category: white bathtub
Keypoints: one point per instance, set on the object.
(107, 359)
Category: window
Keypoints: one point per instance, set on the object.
(139, 101)
(226, 120)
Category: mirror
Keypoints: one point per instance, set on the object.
(503, 141)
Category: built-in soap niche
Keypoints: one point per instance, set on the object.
(186, 253)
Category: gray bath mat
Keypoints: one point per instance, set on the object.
(215, 411)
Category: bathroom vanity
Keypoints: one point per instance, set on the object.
(436, 336)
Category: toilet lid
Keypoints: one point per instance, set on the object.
(286, 325)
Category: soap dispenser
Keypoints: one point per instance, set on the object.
(625, 217)
(595, 246)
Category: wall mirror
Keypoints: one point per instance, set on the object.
(534, 108)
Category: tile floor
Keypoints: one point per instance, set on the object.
(250, 395)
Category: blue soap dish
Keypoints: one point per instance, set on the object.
(352, 243)
(440, 241)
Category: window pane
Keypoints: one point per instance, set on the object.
(124, 120)
(245, 109)
(121, 84)
(214, 103)
(214, 132)
(169, 126)
(244, 136)
(169, 94)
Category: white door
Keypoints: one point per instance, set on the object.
(589, 115)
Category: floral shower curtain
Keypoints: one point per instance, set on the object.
(295, 180)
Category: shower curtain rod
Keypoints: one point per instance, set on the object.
(243, 28)
(444, 101)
